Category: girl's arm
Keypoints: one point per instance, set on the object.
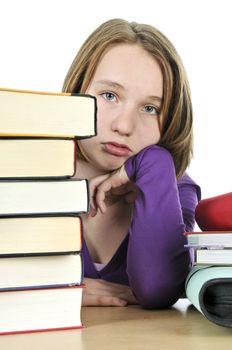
(157, 262)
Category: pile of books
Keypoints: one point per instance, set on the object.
(210, 247)
(41, 265)
(209, 284)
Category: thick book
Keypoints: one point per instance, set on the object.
(40, 235)
(32, 157)
(215, 213)
(222, 238)
(43, 197)
(33, 113)
(213, 256)
(209, 288)
(39, 310)
(40, 271)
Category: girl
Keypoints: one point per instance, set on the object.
(141, 199)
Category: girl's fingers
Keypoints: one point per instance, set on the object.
(108, 186)
(98, 300)
(100, 292)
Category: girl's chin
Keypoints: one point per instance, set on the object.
(111, 166)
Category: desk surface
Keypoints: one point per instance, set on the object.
(110, 328)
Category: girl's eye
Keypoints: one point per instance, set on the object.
(109, 96)
(151, 110)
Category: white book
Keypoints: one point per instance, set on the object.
(214, 256)
(40, 310)
(40, 271)
(43, 197)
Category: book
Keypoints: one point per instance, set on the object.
(28, 158)
(209, 289)
(210, 238)
(43, 197)
(39, 310)
(34, 113)
(40, 234)
(215, 213)
(40, 271)
(213, 256)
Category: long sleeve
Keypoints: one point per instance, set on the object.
(157, 261)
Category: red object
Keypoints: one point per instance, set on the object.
(215, 213)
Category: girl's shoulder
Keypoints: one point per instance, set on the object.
(186, 181)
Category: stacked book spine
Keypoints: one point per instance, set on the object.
(209, 283)
(212, 245)
(41, 265)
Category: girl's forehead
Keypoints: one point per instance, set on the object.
(129, 65)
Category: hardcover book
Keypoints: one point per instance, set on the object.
(43, 197)
(33, 157)
(40, 271)
(215, 213)
(37, 310)
(40, 235)
(33, 113)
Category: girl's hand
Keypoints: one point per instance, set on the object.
(107, 189)
(102, 293)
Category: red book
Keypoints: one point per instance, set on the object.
(215, 214)
(38, 310)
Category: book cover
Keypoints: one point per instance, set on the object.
(44, 114)
(37, 157)
(40, 310)
(27, 197)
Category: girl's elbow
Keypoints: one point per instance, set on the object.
(158, 296)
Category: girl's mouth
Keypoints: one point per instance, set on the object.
(116, 149)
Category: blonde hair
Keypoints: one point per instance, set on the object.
(176, 121)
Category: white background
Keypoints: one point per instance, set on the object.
(39, 39)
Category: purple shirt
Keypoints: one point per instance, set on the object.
(152, 259)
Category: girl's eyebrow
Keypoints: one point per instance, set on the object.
(156, 98)
(111, 83)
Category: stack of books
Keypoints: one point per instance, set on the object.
(210, 247)
(41, 264)
(209, 283)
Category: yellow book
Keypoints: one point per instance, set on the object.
(33, 157)
(33, 113)
(40, 235)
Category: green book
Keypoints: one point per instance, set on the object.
(209, 288)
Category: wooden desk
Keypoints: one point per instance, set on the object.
(114, 328)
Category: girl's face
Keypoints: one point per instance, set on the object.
(128, 85)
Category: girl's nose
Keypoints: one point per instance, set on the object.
(124, 121)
